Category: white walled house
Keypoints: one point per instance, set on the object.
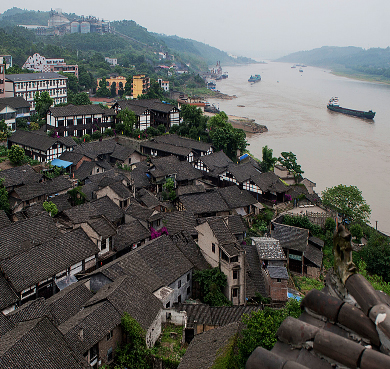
(39, 146)
(27, 85)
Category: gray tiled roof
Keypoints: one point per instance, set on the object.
(32, 310)
(290, 237)
(19, 175)
(122, 152)
(50, 350)
(185, 243)
(39, 140)
(167, 261)
(146, 197)
(102, 227)
(277, 272)
(215, 315)
(8, 297)
(254, 279)
(242, 172)
(236, 198)
(43, 261)
(269, 181)
(5, 324)
(314, 255)
(173, 139)
(166, 148)
(138, 211)
(103, 206)
(4, 220)
(185, 190)
(34, 76)
(225, 238)
(127, 294)
(216, 162)
(95, 321)
(138, 110)
(23, 235)
(121, 190)
(95, 148)
(16, 102)
(236, 224)
(205, 347)
(169, 165)
(269, 248)
(86, 168)
(68, 302)
(73, 110)
(151, 104)
(178, 221)
(129, 234)
(139, 176)
(208, 202)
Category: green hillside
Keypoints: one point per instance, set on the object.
(371, 64)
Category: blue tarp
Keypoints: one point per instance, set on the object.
(294, 296)
(61, 163)
(243, 156)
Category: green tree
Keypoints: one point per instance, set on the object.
(103, 91)
(261, 328)
(128, 119)
(113, 89)
(169, 192)
(4, 130)
(376, 255)
(16, 154)
(356, 232)
(81, 98)
(133, 354)
(212, 282)
(268, 163)
(154, 92)
(289, 161)
(77, 197)
(42, 103)
(51, 208)
(225, 137)
(4, 203)
(348, 202)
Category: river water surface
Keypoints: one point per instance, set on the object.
(332, 148)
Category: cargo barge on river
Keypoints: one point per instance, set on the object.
(334, 106)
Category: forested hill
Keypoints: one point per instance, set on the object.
(129, 42)
(209, 53)
(349, 60)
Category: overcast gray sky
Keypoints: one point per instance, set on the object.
(253, 28)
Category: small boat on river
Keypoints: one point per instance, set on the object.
(334, 106)
(255, 78)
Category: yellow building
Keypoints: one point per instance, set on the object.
(140, 85)
(119, 81)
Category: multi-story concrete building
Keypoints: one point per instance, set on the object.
(163, 84)
(140, 85)
(39, 63)
(112, 61)
(2, 80)
(119, 81)
(27, 85)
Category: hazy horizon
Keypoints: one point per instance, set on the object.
(257, 29)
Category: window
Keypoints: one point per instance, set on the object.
(235, 292)
(188, 290)
(110, 334)
(109, 354)
(179, 298)
(168, 305)
(235, 274)
(104, 244)
(234, 259)
(213, 247)
(278, 280)
(188, 277)
(179, 284)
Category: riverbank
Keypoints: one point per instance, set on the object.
(246, 124)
